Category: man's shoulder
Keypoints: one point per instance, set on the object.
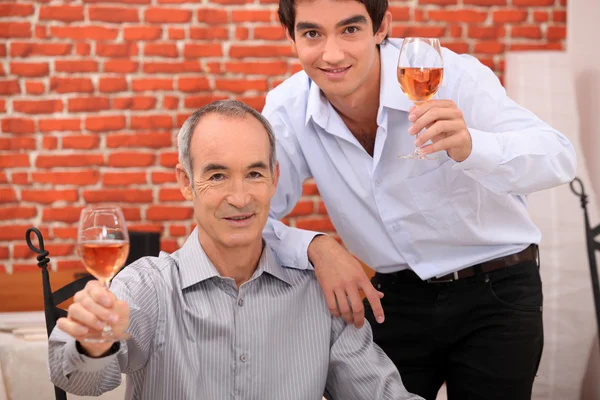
(148, 271)
(288, 92)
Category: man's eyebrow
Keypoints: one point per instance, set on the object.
(258, 165)
(301, 26)
(213, 167)
(355, 19)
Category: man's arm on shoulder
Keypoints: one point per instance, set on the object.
(359, 369)
(290, 244)
(75, 372)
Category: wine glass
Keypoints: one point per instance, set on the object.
(103, 245)
(420, 73)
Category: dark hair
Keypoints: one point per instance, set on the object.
(287, 13)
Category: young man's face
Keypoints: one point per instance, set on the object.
(335, 43)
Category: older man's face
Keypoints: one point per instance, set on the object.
(233, 184)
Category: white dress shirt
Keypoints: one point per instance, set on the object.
(434, 217)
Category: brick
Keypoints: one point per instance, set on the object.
(418, 31)
(120, 66)
(71, 85)
(486, 2)
(178, 230)
(455, 31)
(169, 194)
(167, 15)
(168, 245)
(61, 125)
(256, 102)
(321, 209)
(16, 10)
(77, 177)
(35, 87)
(489, 47)
(37, 106)
(3, 50)
(134, 103)
(172, 67)
(3, 177)
(49, 196)
(161, 50)
(117, 195)
(305, 207)
(163, 177)
(8, 87)
(199, 101)
(487, 61)
(309, 188)
(540, 16)
(4, 253)
(70, 265)
(242, 33)
(458, 47)
(315, 224)
(147, 140)
(168, 159)
(170, 103)
(2, 105)
(17, 143)
(532, 3)
(151, 122)
(131, 159)
(211, 33)
(25, 49)
(105, 123)
(20, 178)
(140, 85)
(82, 142)
(556, 32)
(182, 117)
(250, 16)
(119, 1)
(229, 2)
(535, 46)
(269, 33)
(112, 85)
(168, 213)
(528, 32)
(257, 68)
(7, 195)
(83, 49)
(240, 85)
(202, 50)
(132, 213)
(61, 214)
(17, 232)
(69, 160)
(400, 13)
(88, 104)
(509, 15)
(468, 16)
(30, 70)
(243, 51)
(75, 66)
(64, 232)
(176, 33)
(84, 32)
(17, 212)
(61, 13)
(212, 15)
(123, 178)
(142, 33)
(41, 32)
(49, 142)
(192, 85)
(559, 16)
(116, 49)
(113, 14)
(10, 30)
(159, 228)
(486, 32)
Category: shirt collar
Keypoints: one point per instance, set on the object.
(195, 266)
(390, 94)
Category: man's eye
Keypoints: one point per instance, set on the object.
(217, 177)
(255, 174)
(311, 34)
(351, 29)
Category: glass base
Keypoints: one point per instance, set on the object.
(105, 337)
(416, 155)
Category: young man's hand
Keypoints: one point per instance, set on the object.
(342, 277)
(444, 125)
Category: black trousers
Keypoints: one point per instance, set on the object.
(482, 335)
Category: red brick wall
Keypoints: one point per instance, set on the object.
(92, 95)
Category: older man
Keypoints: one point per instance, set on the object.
(220, 318)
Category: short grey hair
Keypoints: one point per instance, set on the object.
(226, 108)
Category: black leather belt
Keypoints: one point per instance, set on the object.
(528, 254)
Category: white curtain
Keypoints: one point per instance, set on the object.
(543, 82)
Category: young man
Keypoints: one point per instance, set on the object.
(451, 241)
(220, 318)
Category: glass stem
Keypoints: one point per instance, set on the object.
(107, 329)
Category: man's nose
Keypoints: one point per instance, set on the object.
(238, 195)
(332, 53)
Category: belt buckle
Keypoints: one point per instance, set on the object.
(454, 278)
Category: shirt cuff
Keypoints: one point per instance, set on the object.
(485, 156)
(297, 239)
(75, 361)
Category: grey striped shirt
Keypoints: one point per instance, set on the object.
(195, 336)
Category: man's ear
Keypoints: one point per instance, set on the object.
(185, 184)
(276, 174)
(290, 38)
(384, 28)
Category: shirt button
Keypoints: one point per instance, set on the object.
(241, 302)
(244, 358)
(378, 182)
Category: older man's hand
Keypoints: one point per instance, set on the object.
(342, 277)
